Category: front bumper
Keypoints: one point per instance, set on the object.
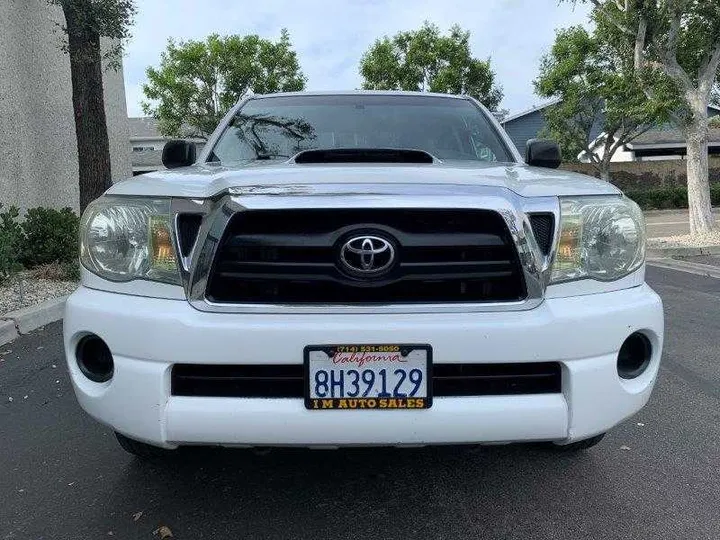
(148, 335)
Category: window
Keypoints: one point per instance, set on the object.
(281, 126)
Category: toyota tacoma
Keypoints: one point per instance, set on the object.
(362, 268)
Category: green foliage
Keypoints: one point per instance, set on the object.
(572, 143)
(11, 242)
(110, 19)
(426, 60)
(714, 122)
(668, 197)
(596, 88)
(674, 57)
(71, 270)
(50, 236)
(675, 47)
(198, 81)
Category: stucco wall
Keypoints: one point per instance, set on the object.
(117, 121)
(38, 153)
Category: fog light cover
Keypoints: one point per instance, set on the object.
(95, 359)
(634, 356)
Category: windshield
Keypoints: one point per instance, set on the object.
(282, 126)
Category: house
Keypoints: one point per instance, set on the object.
(661, 142)
(530, 124)
(38, 162)
(146, 145)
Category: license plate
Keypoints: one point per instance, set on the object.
(352, 377)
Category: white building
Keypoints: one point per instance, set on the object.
(662, 142)
(146, 145)
(38, 157)
(654, 145)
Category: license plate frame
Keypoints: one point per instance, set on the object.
(399, 403)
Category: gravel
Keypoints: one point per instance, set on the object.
(685, 240)
(27, 291)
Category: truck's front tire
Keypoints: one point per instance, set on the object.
(141, 449)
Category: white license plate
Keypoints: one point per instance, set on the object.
(352, 377)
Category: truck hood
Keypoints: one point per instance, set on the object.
(209, 179)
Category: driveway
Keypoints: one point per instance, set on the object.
(62, 476)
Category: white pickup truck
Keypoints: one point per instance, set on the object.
(362, 268)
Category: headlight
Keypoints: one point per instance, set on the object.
(122, 239)
(601, 238)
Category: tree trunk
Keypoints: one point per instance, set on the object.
(89, 107)
(605, 171)
(700, 208)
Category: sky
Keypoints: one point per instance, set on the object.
(330, 36)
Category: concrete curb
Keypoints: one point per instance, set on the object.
(668, 252)
(686, 266)
(25, 320)
(8, 332)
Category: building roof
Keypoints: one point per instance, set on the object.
(667, 136)
(151, 159)
(531, 110)
(144, 127)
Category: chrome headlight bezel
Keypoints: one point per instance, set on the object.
(129, 238)
(601, 237)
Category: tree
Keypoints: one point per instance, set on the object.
(596, 88)
(424, 59)
(198, 81)
(676, 49)
(86, 21)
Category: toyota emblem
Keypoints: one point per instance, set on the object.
(367, 256)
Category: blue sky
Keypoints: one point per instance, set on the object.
(330, 36)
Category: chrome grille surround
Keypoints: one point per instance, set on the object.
(218, 211)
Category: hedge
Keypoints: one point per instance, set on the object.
(45, 237)
(668, 197)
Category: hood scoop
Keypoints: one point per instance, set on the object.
(363, 155)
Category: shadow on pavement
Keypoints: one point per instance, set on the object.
(369, 493)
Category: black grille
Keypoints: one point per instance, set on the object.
(188, 227)
(292, 257)
(253, 381)
(496, 379)
(543, 226)
(286, 381)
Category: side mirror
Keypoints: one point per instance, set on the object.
(543, 153)
(179, 154)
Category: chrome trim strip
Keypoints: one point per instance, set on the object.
(545, 205)
(512, 207)
(186, 206)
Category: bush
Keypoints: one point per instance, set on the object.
(57, 271)
(51, 236)
(668, 197)
(11, 241)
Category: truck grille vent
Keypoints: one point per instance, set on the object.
(293, 257)
(543, 225)
(188, 226)
(286, 381)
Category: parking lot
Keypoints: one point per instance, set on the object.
(62, 476)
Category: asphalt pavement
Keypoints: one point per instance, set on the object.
(62, 476)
